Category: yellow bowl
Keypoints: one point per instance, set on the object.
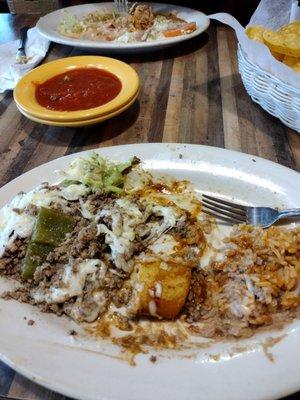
(80, 123)
(24, 93)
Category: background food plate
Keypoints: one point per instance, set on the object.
(47, 26)
(85, 368)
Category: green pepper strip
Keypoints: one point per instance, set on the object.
(50, 230)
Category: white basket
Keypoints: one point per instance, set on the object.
(272, 94)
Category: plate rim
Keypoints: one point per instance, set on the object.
(167, 145)
(58, 388)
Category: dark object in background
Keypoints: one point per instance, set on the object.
(21, 55)
(32, 6)
(242, 9)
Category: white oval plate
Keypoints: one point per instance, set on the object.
(77, 367)
(47, 26)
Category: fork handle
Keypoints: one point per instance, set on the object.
(291, 212)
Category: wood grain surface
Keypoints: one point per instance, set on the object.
(191, 93)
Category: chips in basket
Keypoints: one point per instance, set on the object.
(255, 32)
(284, 44)
(293, 27)
(287, 43)
(292, 62)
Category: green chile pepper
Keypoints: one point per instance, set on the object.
(50, 230)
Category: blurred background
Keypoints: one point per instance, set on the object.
(242, 9)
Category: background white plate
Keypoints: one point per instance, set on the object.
(47, 26)
(77, 367)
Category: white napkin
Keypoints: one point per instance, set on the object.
(271, 14)
(10, 72)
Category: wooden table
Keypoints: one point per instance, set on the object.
(191, 93)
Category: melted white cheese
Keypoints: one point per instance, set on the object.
(186, 201)
(85, 210)
(165, 244)
(168, 214)
(79, 313)
(19, 224)
(72, 283)
(120, 246)
(74, 192)
(131, 209)
(13, 225)
(158, 228)
(75, 171)
(158, 289)
(125, 217)
(127, 37)
(152, 308)
(137, 179)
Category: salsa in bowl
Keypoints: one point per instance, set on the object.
(77, 88)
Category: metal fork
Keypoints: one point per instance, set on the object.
(122, 5)
(239, 214)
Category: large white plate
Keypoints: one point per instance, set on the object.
(78, 368)
(47, 26)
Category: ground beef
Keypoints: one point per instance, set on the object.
(189, 230)
(11, 262)
(121, 322)
(97, 201)
(196, 296)
(51, 308)
(110, 287)
(32, 209)
(21, 294)
(81, 243)
(153, 359)
(122, 297)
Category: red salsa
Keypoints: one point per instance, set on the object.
(78, 89)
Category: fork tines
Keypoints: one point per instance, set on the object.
(224, 209)
(122, 5)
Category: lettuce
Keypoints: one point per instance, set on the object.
(98, 173)
(70, 24)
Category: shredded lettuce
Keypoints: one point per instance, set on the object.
(70, 23)
(98, 173)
